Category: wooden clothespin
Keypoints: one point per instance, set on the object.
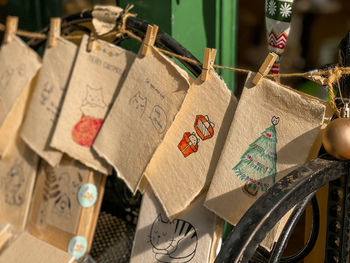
(55, 31)
(91, 42)
(11, 28)
(208, 62)
(265, 67)
(150, 39)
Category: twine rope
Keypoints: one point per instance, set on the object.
(329, 76)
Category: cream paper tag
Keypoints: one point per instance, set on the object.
(19, 65)
(104, 18)
(183, 165)
(17, 176)
(47, 98)
(189, 238)
(275, 130)
(61, 208)
(95, 80)
(146, 106)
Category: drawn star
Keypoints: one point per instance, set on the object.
(79, 248)
(88, 196)
(286, 10)
(272, 7)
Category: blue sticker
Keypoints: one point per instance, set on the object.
(87, 195)
(77, 246)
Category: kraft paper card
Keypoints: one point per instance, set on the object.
(61, 208)
(92, 88)
(17, 177)
(12, 124)
(47, 98)
(183, 165)
(146, 106)
(65, 204)
(189, 238)
(19, 64)
(28, 249)
(275, 129)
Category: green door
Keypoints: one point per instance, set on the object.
(196, 24)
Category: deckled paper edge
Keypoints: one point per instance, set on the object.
(98, 20)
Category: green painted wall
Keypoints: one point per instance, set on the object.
(196, 24)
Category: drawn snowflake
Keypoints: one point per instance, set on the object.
(286, 10)
(272, 7)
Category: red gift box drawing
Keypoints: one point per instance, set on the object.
(188, 144)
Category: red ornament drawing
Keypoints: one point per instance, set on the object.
(85, 130)
(93, 110)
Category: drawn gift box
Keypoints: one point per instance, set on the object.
(204, 127)
(188, 144)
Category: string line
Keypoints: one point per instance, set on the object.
(120, 30)
(325, 77)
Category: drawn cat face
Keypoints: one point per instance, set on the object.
(139, 103)
(162, 233)
(174, 241)
(159, 119)
(94, 98)
(62, 205)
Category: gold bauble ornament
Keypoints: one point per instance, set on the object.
(336, 138)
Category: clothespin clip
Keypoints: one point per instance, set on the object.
(208, 62)
(150, 39)
(55, 31)
(11, 28)
(91, 42)
(265, 67)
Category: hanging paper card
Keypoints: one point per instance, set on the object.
(183, 164)
(188, 238)
(93, 84)
(26, 248)
(59, 214)
(47, 97)
(275, 130)
(142, 113)
(12, 124)
(19, 65)
(17, 176)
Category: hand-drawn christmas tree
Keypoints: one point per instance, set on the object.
(257, 166)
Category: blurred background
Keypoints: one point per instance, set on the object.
(235, 28)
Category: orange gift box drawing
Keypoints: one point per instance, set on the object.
(204, 129)
(188, 144)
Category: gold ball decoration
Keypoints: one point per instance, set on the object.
(336, 138)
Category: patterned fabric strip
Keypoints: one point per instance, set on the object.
(278, 14)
